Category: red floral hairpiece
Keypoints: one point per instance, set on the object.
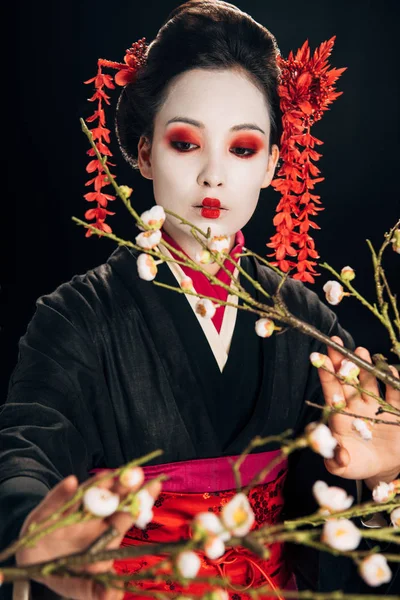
(134, 59)
(306, 90)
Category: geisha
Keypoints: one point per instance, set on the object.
(112, 367)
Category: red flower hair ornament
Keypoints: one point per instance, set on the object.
(306, 89)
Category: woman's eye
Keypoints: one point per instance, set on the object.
(241, 153)
(182, 146)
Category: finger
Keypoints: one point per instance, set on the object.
(367, 380)
(340, 461)
(54, 500)
(81, 589)
(393, 396)
(332, 388)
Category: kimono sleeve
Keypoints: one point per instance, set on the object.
(47, 430)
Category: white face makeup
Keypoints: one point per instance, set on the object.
(210, 141)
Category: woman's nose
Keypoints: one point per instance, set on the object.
(211, 175)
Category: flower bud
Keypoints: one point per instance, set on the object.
(333, 292)
(375, 570)
(214, 547)
(363, 428)
(338, 401)
(237, 515)
(396, 241)
(205, 524)
(347, 274)
(100, 501)
(187, 283)
(320, 439)
(125, 190)
(317, 359)
(349, 371)
(154, 218)
(146, 266)
(219, 244)
(395, 517)
(341, 534)
(383, 492)
(264, 327)
(204, 257)
(188, 564)
(132, 477)
(148, 239)
(205, 308)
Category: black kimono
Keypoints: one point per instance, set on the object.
(112, 367)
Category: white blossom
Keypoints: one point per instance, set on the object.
(383, 492)
(264, 327)
(186, 283)
(396, 241)
(331, 498)
(205, 308)
(207, 523)
(375, 570)
(154, 218)
(347, 273)
(100, 501)
(349, 371)
(148, 239)
(204, 257)
(132, 477)
(317, 359)
(363, 428)
(237, 515)
(188, 564)
(146, 266)
(333, 292)
(216, 594)
(219, 243)
(341, 534)
(320, 439)
(395, 517)
(214, 547)
(145, 515)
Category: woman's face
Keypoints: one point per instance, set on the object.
(210, 141)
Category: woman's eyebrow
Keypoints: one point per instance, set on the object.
(202, 126)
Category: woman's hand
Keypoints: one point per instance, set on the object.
(76, 538)
(374, 460)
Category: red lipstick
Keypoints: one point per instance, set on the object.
(211, 208)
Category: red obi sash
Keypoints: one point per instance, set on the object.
(206, 485)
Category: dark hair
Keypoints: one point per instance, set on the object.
(205, 34)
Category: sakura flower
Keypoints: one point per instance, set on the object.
(214, 547)
(333, 292)
(216, 594)
(363, 428)
(341, 534)
(332, 498)
(126, 191)
(396, 241)
(347, 274)
(204, 257)
(317, 359)
(154, 218)
(132, 477)
(188, 564)
(349, 371)
(206, 523)
(375, 570)
(320, 439)
(186, 283)
(148, 239)
(146, 266)
(100, 501)
(383, 492)
(264, 327)
(237, 515)
(395, 517)
(338, 401)
(205, 308)
(145, 502)
(219, 243)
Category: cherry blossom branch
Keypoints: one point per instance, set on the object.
(342, 411)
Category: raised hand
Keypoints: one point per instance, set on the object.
(76, 538)
(373, 460)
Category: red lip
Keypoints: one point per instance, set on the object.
(211, 202)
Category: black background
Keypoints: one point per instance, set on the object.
(52, 47)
